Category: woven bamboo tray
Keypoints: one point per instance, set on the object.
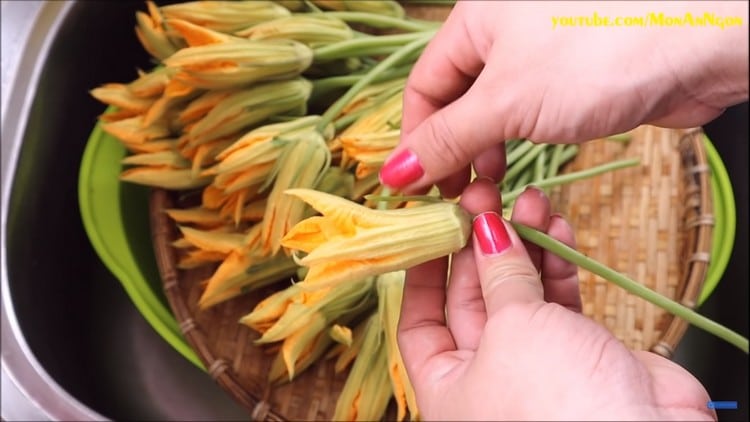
(652, 222)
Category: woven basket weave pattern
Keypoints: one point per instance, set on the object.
(652, 222)
(641, 221)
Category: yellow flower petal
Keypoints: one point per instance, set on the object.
(212, 240)
(356, 242)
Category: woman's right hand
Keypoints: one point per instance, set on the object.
(502, 70)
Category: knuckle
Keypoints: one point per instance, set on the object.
(515, 272)
(446, 146)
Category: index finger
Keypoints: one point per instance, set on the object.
(444, 71)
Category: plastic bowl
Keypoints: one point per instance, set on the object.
(115, 217)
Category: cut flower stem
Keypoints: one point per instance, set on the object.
(571, 255)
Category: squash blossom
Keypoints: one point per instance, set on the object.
(369, 150)
(245, 107)
(390, 289)
(239, 62)
(381, 117)
(367, 390)
(370, 102)
(350, 241)
(301, 320)
(120, 96)
(152, 33)
(312, 30)
(250, 159)
(225, 16)
(380, 7)
(302, 165)
(195, 35)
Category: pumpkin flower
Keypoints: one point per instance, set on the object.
(372, 95)
(302, 165)
(312, 30)
(196, 35)
(301, 320)
(351, 242)
(207, 218)
(251, 158)
(119, 95)
(199, 107)
(164, 176)
(225, 16)
(158, 145)
(239, 62)
(332, 304)
(347, 352)
(133, 130)
(151, 32)
(246, 107)
(369, 150)
(243, 271)
(380, 7)
(152, 83)
(380, 112)
(299, 351)
(175, 95)
(367, 390)
(390, 288)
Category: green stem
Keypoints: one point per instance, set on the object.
(404, 198)
(554, 161)
(518, 165)
(669, 305)
(518, 151)
(325, 85)
(347, 119)
(383, 204)
(541, 160)
(621, 137)
(383, 21)
(568, 154)
(571, 177)
(363, 46)
(521, 181)
(381, 67)
(511, 145)
(313, 8)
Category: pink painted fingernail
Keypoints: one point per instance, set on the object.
(401, 170)
(491, 234)
(535, 189)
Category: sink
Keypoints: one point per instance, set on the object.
(95, 356)
(74, 346)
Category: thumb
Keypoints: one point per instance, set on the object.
(506, 272)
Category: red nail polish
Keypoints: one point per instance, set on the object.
(491, 233)
(401, 170)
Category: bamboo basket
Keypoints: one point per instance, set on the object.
(653, 222)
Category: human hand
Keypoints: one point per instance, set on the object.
(500, 70)
(514, 345)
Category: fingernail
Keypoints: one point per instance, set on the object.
(491, 233)
(401, 170)
(487, 178)
(534, 189)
